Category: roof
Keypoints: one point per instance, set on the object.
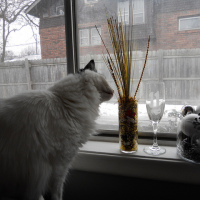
(32, 9)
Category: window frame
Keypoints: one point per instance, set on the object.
(94, 152)
(81, 38)
(143, 21)
(165, 167)
(71, 35)
(187, 18)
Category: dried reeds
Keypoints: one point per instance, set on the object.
(122, 43)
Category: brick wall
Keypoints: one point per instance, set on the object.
(168, 35)
(53, 43)
(166, 27)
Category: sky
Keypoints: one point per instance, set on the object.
(21, 39)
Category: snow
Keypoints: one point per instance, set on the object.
(109, 117)
(111, 109)
(30, 57)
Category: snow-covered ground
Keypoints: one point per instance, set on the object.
(30, 57)
(109, 116)
(111, 109)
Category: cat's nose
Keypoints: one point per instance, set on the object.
(112, 91)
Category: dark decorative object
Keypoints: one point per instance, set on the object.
(128, 121)
(188, 141)
(187, 110)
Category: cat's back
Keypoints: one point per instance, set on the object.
(24, 143)
(24, 116)
(24, 105)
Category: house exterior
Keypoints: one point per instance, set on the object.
(172, 24)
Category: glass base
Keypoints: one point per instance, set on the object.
(155, 151)
(128, 151)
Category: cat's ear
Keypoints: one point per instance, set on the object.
(91, 66)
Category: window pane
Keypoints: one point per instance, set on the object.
(84, 33)
(189, 23)
(60, 10)
(56, 7)
(123, 11)
(138, 6)
(95, 38)
(84, 37)
(173, 55)
(138, 18)
(35, 53)
(138, 11)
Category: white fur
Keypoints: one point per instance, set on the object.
(41, 132)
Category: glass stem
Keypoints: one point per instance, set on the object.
(155, 129)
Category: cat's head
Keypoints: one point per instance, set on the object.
(90, 74)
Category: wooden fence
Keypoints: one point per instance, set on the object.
(179, 69)
(19, 76)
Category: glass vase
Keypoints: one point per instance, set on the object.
(128, 123)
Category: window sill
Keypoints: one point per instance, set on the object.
(105, 157)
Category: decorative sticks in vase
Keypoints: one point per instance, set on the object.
(122, 73)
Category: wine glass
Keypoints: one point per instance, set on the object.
(155, 104)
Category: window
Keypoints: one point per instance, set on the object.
(123, 12)
(189, 23)
(89, 37)
(56, 7)
(45, 14)
(172, 57)
(60, 10)
(84, 37)
(136, 11)
(52, 8)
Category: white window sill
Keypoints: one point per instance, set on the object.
(105, 157)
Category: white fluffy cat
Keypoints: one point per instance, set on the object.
(41, 132)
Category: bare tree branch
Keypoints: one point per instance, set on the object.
(31, 20)
(13, 13)
(16, 15)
